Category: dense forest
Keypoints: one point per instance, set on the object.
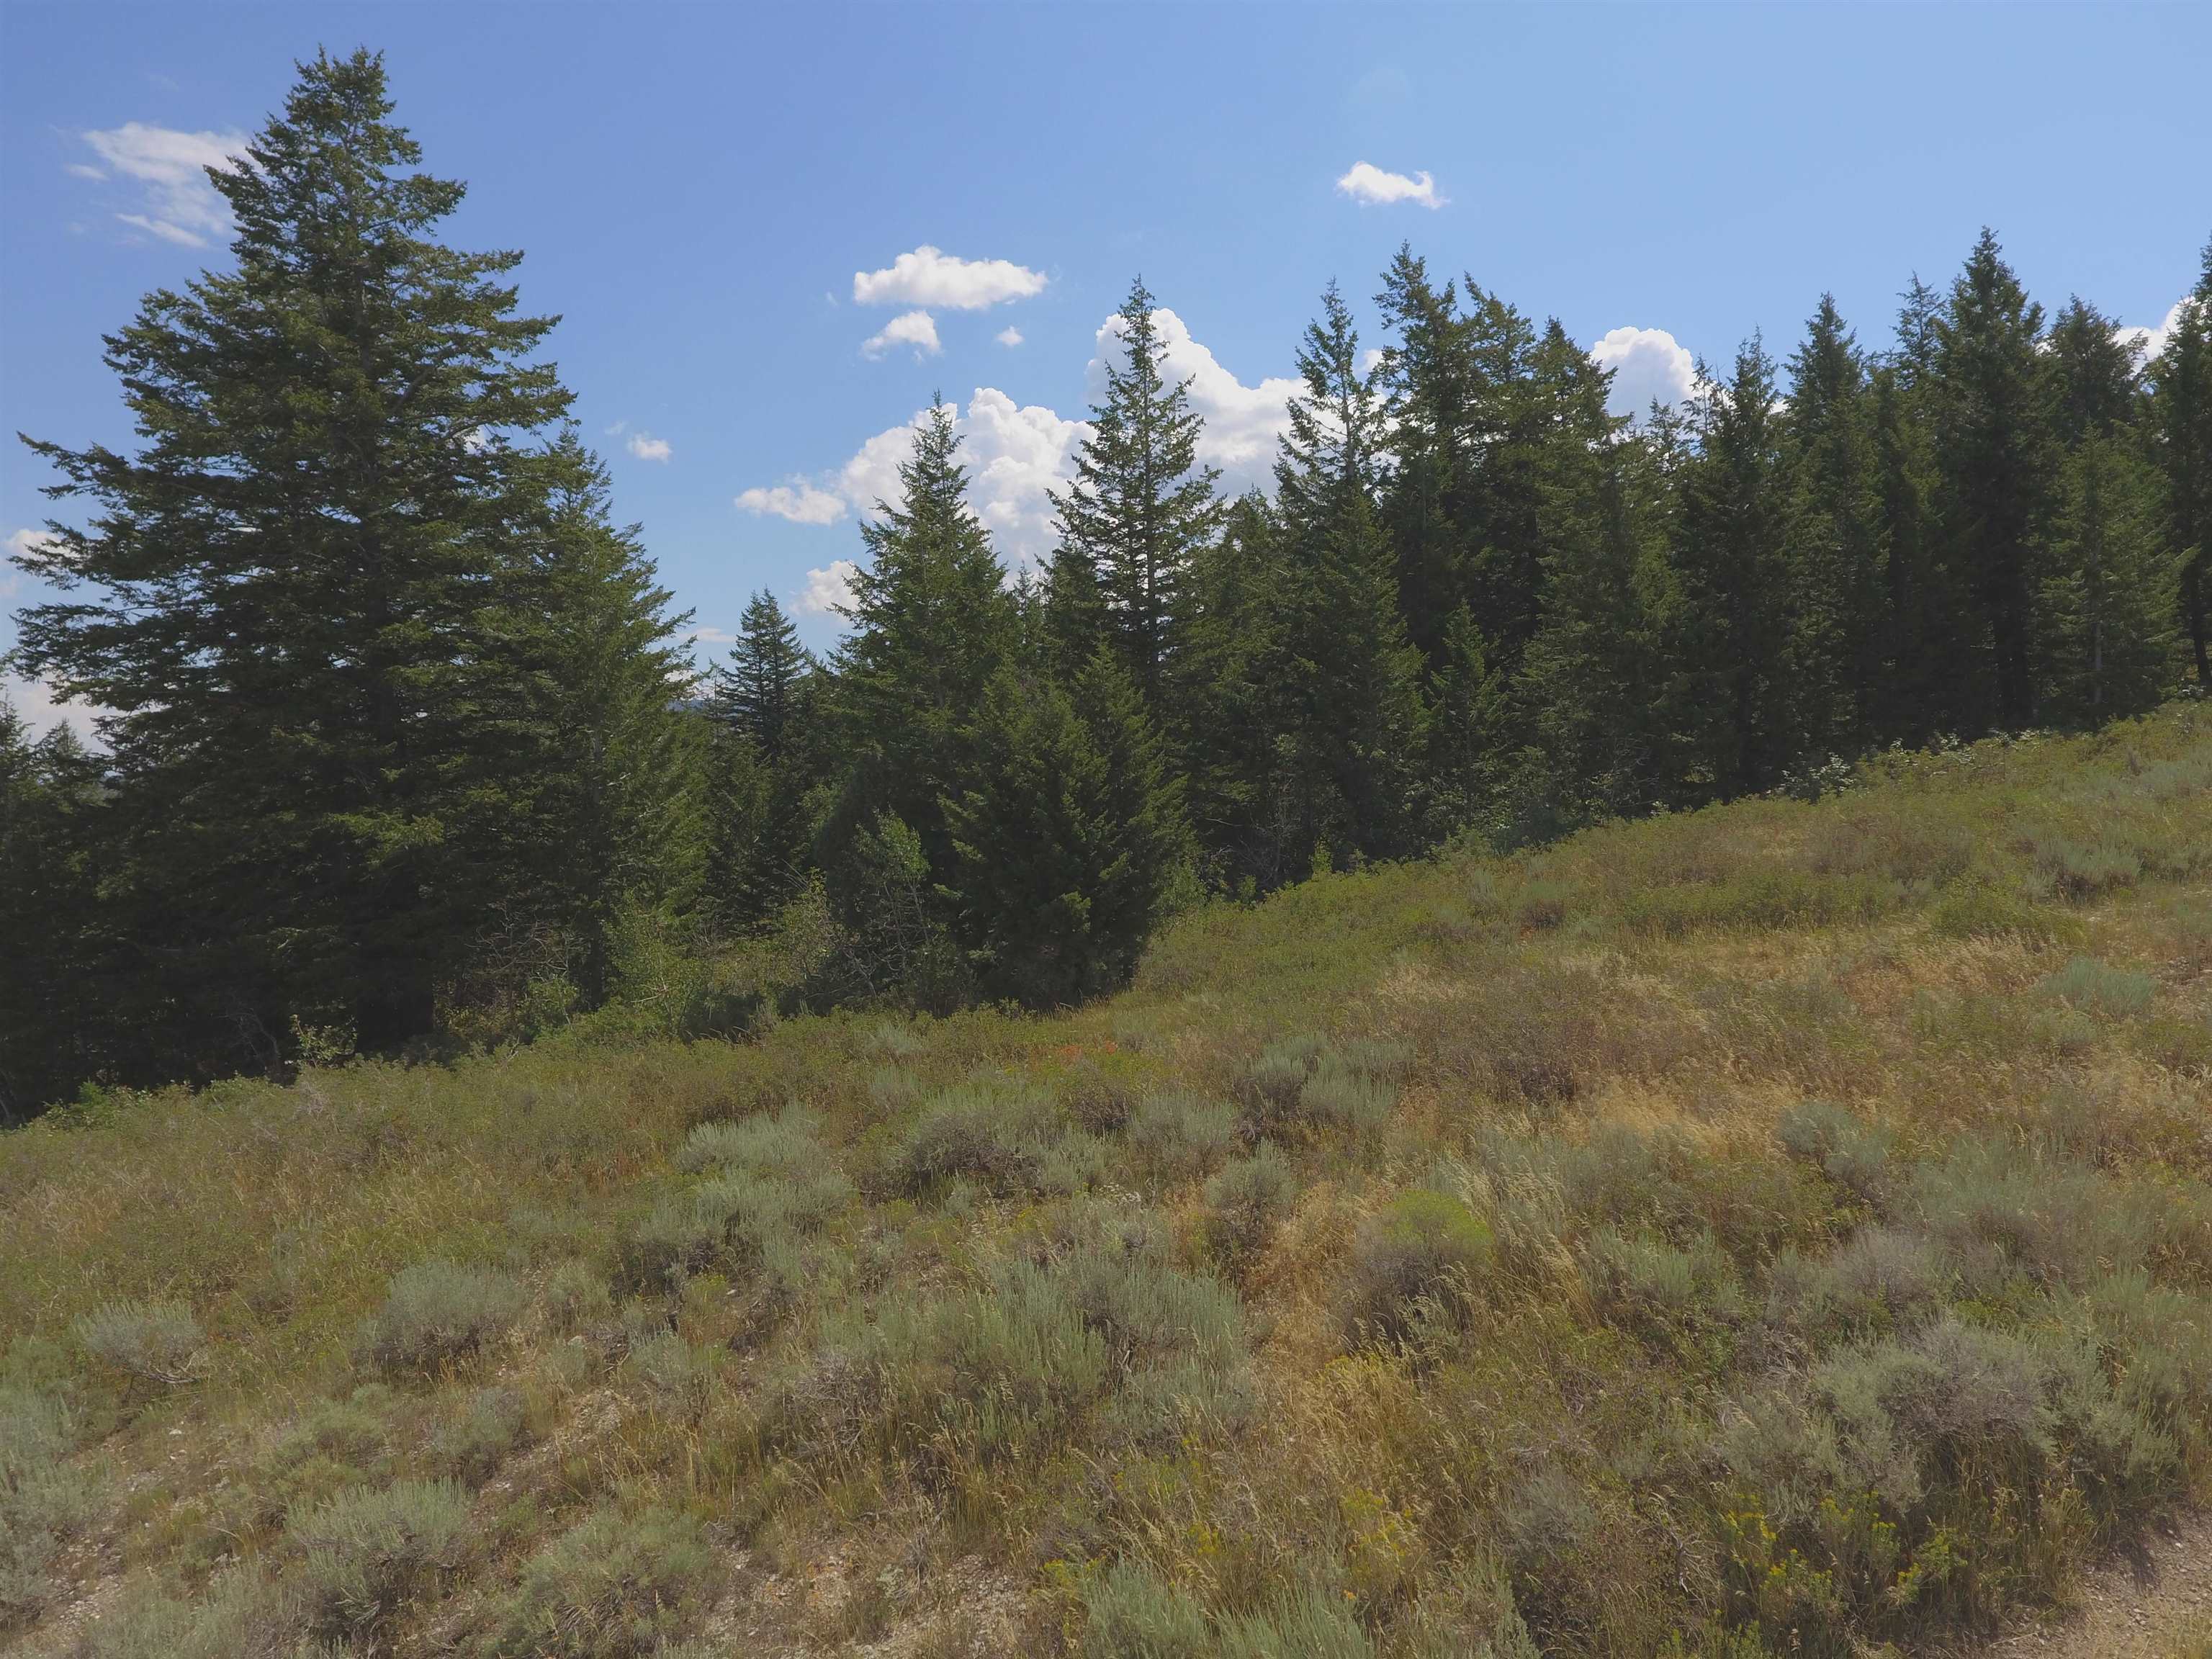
(404, 749)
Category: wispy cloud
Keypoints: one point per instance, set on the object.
(169, 168)
(1009, 336)
(647, 447)
(1370, 186)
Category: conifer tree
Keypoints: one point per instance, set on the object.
(324, 595)
(1735, 625)
(1140, 507)
(1832, 550)
(1066, 835)
(1426, 376)
(759, 692)
(2109, 618)
(1991, 420)
(2181, 421)
(1354, 680)
(56, 1015)
(760, 768)
(2094, 372)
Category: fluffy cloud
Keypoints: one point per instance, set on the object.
(1009, 336)
(1370, 186)
(915, 328)
(929, 277)
(797, 500)
(177, 204)
(2152, 341)
(1241, 422)
(1647, 363)
(1015, 455)
(826, 591)
(647, 447)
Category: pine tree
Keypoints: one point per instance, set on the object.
(323, 593)
(2181, 421)
(932, 625)
(1427, 377)
(760, 691)
(1832, 551)
(2109, 616)
(1140, 507)
(2092, 367)
(1354, 679)
(1735, 625)
(57, 1020)
(1066, 836)
(1993, 455)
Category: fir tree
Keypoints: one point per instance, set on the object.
(2094, 372)
(1140, 507)
(2181, 421)
(760, 691)
(1992, 442)
(1427, 378)
(57, 1024)
(2108, 617)
(324, 595)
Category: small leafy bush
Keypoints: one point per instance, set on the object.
(1130, 1613)
(1006, 1143)
(2089, 985)
(1854, 1155)
(1422, 1244)
(781, 1144)
(1880, 1280)
(439, 1311)
(737, 1220)
(156, 1341)
(368, 1551)
(613, 1587)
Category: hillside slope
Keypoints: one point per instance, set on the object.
(1783, 1228)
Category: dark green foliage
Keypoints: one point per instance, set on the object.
(1065, 837)
(2181, 418)
(2109, 604)
(51, 1037)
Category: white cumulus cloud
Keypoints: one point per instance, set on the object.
(177, 204)
(796, 501)
(1370, 186)
(2152, 341)
(915, 328)
(1241, 422)
(927, 277)
(647, 447)
(1647, 364)
(827, 589)
(1009, 336)
(40, 710)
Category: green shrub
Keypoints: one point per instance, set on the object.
(781, 1144)
(1274, 1085)
(1880, 1280)
(576, 1296)
(1650, 1284)
(1541, 905)
(2079, 871)
(1307, 1622)
(1854, 1155)
(1759, 899)
(1249, 1197)
(1129, 1612)
(1342, 1096)
(681, 1375)
(1985, 907)
(613, 1587)
(333, 1444)
(243, 1614)
(1422, 1245)
(43, 1496)
(438, 1311)
(1179, 1136)
(473, 1444)
(2114, 993)
(368, 1551)
(157, 1341)
(1006, 1143)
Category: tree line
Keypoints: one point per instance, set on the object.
(404, 742)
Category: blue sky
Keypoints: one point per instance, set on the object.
(717, 201)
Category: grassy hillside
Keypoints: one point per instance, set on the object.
(1781, 1229)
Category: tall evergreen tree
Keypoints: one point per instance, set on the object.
(761, 766)
(1832, 550)
(321, 595)
(1354, 679)
(1427, 377)
(1993, 455)
(1736, 624)
(1139, 506)
(2094, 374)
(57, 1025)
(760, 691)
(2109, 616)
(2181, 422)
(932, 625)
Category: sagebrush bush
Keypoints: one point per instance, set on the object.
(243, 1613)
(1854, 1155)
(439, 1311)
(1004, 1142)
(1130, 1613)
(367, 1550)
(737, 1219)
(486, 1431)
(1974, 906)
(783, 1143)
(1879, 1280)
(1249, 1197)
(612, 1587)
(1178, 1136)
(43, 1496)
(2094, 986)
(156, 1341)
(1421, 1247)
